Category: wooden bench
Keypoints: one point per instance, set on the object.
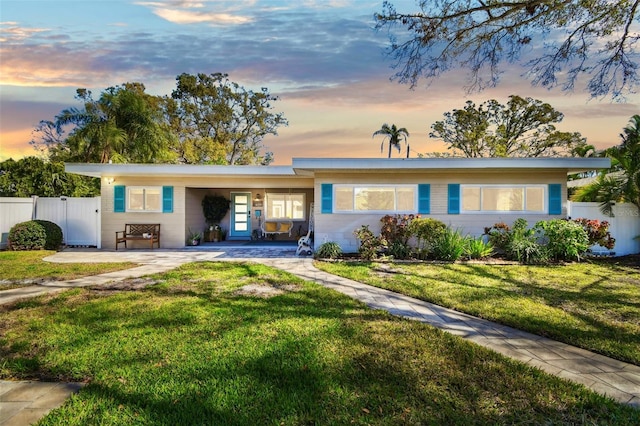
(276, 227)
(139, 232)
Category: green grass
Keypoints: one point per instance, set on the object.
(595, 306)
(18, 267)
(191, 349)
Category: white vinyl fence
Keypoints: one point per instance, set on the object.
(79, 218)
(624, 226)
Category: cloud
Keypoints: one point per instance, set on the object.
(12, 32)
(190, 12)
(189, 17)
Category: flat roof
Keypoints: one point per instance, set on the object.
(115, 170)
(571, 164)
(309, 166)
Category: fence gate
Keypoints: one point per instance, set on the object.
(79, 218)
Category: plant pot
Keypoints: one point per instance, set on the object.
(195, 242)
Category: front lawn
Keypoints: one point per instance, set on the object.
(244, 344)
(595, 305)
(19, 268)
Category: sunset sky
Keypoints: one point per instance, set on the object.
(322, 58)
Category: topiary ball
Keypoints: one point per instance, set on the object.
(27, 236)
(53, 234)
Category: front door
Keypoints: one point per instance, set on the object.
(240, 216)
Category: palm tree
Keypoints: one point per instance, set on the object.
(623, 185)
(395, 135)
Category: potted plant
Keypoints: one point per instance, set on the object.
(194, 238)
(215, 208)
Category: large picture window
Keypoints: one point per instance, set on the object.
(498, 198)
(285, 206)
(378, 198)
(144, 198)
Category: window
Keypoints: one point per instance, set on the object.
(144, 199)
(285, 206)
(379, 198)
(498, 198)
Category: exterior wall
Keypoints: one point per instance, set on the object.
(187, 208)
(339, 227)
(172, 229)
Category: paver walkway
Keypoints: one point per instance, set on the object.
(21, 401)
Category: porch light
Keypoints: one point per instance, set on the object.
(109, 180)
(258, 197)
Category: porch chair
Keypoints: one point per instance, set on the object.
(305, 243)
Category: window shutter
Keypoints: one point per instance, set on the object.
(555, 198)
(119, 199)
(167, 199)
(424, 198)
(327, 197)
(454, 198)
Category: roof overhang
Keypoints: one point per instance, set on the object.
(175, 170)
(310, 166)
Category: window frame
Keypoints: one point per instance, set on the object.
(144, 189)
(266, 212)
(395, 210)
(524, 187)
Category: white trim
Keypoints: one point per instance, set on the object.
(265, 210)
(374, 185)
(545, 197)
(144, 197)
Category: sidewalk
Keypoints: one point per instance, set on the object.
(619, 380)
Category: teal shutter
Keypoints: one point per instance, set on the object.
(454, 198)
(327, 197)
(167, 199)
(119, 199)
(424, 198)
(555, 198)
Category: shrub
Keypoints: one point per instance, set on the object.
(27, 236)
(370, 245)
(399, 250)
(598, 232)
(426, 232)
(328, 250)
(564, 239)
(476, 248)
(53, 234)
(396, 231)
(499, 235)
(449, 245)
(524, 247)
(522, 244)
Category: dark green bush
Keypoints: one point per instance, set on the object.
(27, 236)
(370, 245)
(53, 234)
(564, 239)
(329, 250)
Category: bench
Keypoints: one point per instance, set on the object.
(276, 227)
(139, 232)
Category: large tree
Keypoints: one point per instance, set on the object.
(123, 125)
(557, 39)
(524, 127)
(217, 121)
(34, 176)
(622, 182)
(394, 135)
